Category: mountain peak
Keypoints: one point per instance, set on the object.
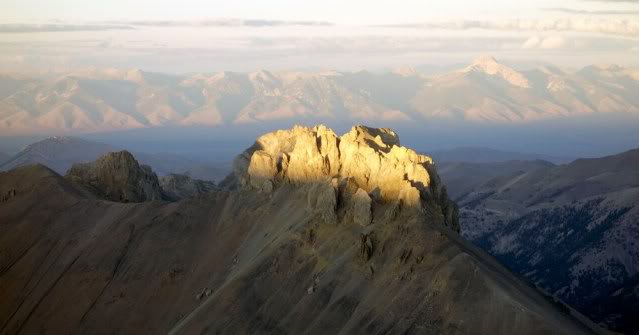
(485, 61)
(117, 176)
(60, 139)
(366, 165)
(262, 75)
(490, 66)
(53, 141)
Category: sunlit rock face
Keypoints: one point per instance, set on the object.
(364, 167)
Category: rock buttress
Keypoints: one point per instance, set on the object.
(366, 168)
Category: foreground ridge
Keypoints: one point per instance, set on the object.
(311, 234)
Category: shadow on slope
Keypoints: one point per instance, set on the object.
(291, 258)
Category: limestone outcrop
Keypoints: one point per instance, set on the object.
(365, 167)
(117, 176)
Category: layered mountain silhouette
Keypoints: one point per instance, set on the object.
(61, 152)
(58, 153)
(312, 233)
(570, 229)
(463, 178)
(484, 91)
(490, 155)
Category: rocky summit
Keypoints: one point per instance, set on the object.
(311, 234)
(366, 170)
(117, 176)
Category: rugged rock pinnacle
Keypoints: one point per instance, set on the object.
(362, 168)
(117, 176)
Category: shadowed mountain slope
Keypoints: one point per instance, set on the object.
(489, 155)
(3, 157)
(571, 229)
(462, 178)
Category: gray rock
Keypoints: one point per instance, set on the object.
(178, 186)
(117, 176)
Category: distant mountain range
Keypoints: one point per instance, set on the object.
(570, 229)
(462, 178)
(484, 91)
(489, 155)
(59, 153)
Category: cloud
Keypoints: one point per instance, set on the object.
(222, 22)
(601, 25)
(548, 43)
(39, 28)
(531, 43)
(611, 26)
(131, 24)
(552, 42)
(618, 1)
(591, 12)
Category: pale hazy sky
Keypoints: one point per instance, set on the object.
(337, 11)
(206, 36)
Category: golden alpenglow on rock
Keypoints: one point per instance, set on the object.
(367, 169)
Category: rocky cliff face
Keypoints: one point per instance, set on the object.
(117, 176)
(179, 186)
(366, 171)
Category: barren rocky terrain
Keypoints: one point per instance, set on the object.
(313, 233)
(570, 229)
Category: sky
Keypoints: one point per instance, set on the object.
(357, 12)
(240, 35)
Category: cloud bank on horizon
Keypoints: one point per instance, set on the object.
(207, 36)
